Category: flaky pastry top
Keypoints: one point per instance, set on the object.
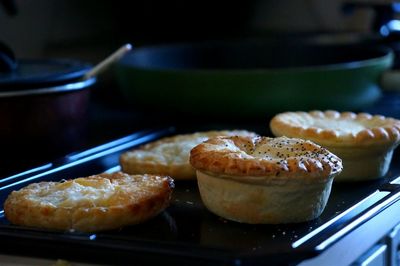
(175, 150)
(270, 158)
(337, 128)
(104, 190)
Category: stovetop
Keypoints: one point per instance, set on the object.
(186, 231)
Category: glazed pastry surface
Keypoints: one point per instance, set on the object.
(272, 158)
(332, 127)
(89, 204)
(363, 141)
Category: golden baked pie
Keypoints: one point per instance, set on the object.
(364, 142)
(264, 180)
(94, 203)
(170, 155)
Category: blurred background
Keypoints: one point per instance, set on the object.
(90, 29)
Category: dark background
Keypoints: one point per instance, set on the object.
(91, 29)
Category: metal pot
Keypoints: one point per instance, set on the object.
(43, 110)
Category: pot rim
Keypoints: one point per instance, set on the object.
(72, 86)
(386, 57)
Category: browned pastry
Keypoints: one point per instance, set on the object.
(170, 155)
(264, 180)
(364, 142)
(89, 204)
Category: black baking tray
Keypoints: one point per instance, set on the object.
(186, 232)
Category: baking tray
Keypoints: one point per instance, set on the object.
(186, 232)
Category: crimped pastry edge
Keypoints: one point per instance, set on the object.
(21, 211)
(386, 135)
(210, 157)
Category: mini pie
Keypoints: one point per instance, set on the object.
(89, 204)
(170, 155)
(261, 180)
(364, 142)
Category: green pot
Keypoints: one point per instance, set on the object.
(252, 78)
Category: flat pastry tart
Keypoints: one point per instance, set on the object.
(170, 155)
(90, 204)
(264, 180)
(364, 142)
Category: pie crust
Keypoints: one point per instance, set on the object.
(264, 180)
(363, 141)
(170, 155)
(90, 204)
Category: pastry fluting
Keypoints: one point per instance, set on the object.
(363, 141)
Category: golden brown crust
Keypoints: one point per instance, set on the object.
(363, 141)
(269, 158)
(170, 155)
(335, 128)
(291, 202)
(94, 203)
